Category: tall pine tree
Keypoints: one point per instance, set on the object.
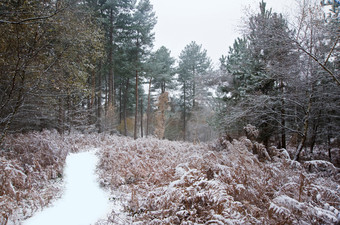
(193, 64)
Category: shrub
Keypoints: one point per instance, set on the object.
(27, 163)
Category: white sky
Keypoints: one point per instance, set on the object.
(213, 23)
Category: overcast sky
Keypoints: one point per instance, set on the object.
(213, 23)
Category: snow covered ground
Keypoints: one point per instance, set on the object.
(83, 202)
(167, 182)
(153, 181)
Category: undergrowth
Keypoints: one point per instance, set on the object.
(164, 182)
(31, 166)
(167, 182)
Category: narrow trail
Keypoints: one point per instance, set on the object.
(83, 202)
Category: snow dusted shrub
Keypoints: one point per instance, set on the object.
(278, 154)
(223, 143)
(322, 167)
(12, 178)
(245, 141)
(27, 163)
(171, 182)
(253, 147)
(163, 182)
(251, 132)
(291, 211)
(261, 151)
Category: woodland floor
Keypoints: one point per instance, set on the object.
(151, 181)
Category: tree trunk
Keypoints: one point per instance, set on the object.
(61, 115)
(184, 112)
(136, 112)
(163, 85)
(91, 99)
(125, 103)
(120, 104)
(149, 109)
(110, 62)
(193, 88)
(136, 97)
(99, 109)
(313, 138)
(93, 88)
(315, 131)
(305, 129)
(283, 119)
(329, 147)
(106, 96)
(141, 116)
(69, 117)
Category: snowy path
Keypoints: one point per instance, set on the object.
(83, 202)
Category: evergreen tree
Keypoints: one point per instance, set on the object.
(144, 22)
(239, 65)
(160, 74)
(162, 69)
(116, 18)
(193, 64)
(261, 65)
(42, 73)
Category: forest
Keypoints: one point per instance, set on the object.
(88, 68)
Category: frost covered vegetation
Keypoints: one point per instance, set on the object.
(163, 182)
(31, 166)
(28, 163)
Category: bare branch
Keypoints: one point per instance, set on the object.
(316, 60)
(330, 53)
(32, 18)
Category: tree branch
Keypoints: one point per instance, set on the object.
(321, 64)
(32, 18)
(330, 53)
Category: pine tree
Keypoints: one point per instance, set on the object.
(193, 64)
(162, 69)
(261, 65)
(144, 22)
(160, 74)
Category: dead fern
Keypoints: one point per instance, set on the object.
(182, 183)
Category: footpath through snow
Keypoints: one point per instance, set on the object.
(83, 202)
